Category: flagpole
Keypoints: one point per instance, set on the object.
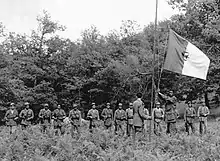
(153, 66)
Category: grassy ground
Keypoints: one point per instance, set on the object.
(32, 145)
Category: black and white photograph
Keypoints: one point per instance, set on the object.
(109, 80)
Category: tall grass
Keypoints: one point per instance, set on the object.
(32, 145)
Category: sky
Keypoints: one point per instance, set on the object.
(77, 15)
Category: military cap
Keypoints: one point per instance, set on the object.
(157, 103)
(46, 105)
(12, 104)
(26, 103)
(120, 104)
(74, 105)
(93, 103)
(108, 103)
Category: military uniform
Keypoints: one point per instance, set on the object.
(146, 112)
(11, 116)
(129, 116)
(157, 116)
(171, 113)
(26, 115)
(75, 119)
(107, 115)
(203, 112)
(119, 119)
(189, 116)
(93, 116)
(45, 118)
(58, 116)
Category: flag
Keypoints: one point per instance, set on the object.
(185, 58)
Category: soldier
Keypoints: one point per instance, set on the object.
(203, 112)
(146, 112)
(139, 115)
(93, 116)
(171, 113)
(45, 117)
(107, 115)
(129, 116)
(26, 115)
(58, 116)
(157, 117)
(189, 116)
(75, 119)
(11, 117)
(119, 118)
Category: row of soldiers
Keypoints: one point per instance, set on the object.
(26, 115)
(134, 117)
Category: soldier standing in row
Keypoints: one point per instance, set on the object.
(107, 115)
(119, 119)
(26, 115)
(203, 112)
(146, 112)
(93, 116)
(58, 116)
(45, 117)
(171, 114)
(11, 117)
(129, 116)
(75, 119)
(189, 117)
(157, 117)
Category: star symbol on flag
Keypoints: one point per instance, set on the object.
(185, 55)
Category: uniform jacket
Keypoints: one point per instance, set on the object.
(170, 101)
(10, 117)
(129, 116)
(170, 115)
(26, 115)
(93, 116)
(203, 112)
(75, 117)
(119, 116)
(189, 115)
(45, 116)
(58, 115)
(139, 115)
(107, 115)
(157, 114)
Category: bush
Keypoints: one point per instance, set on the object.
(105, 146)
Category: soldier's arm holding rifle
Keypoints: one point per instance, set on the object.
(32, 115)
(54, 116)
(22, 115)
(6, 116)
(103, 114)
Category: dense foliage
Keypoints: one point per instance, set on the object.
(32, 145)
(43, 67)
